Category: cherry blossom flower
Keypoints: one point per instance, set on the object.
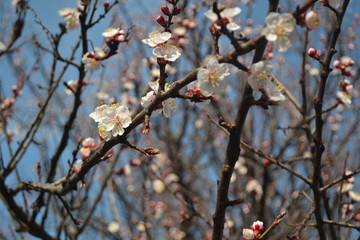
(344, 95)
(163, 50)
(165, 107)
(92, 61)
(158, 186)
(260, 80)
(156, 38)
(71, 17)
(227, 16)
(248, 234)
(312, 20)
(114, 34)
(257, 227)
(112, 120)
(201, 99)
(212, 78)
(167, 51)
(73, 85)
(280, 29)
(88, 143)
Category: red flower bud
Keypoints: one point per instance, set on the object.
(161, 20)
(165, 10)
(176, 10)
(106, 6)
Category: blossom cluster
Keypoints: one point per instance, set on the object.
(112, 120)
(166, 107)
(226, 15)
(346, 188)
(161, 49)
(254, 231)
(260, 80)
(71, 17)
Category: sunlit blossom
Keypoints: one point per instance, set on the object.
(71, 17)
(112, 120)
(248, 234)
(344, 95)
(280, 29)
(167, 51)
(166, 107)
(312, 20)
(260, 80)
(227, 16)
(156, 38)
(212, 78)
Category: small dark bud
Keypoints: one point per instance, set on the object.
(161, 20)
(165, 9)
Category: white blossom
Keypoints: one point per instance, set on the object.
(156, 38)
(111, 32)
(158, 186)
(312, 20)
(212, 78)
(167, 51)
(355, 196)
(248, 234)
(227, 16)
(71, 17)
(280, 29)
(112, 120)
(166, 107)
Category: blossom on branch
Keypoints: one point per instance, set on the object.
(248, 234)
(227, 16)
(71, 17)
(212, 78)
(166, 107)
(312, 20)
(280, 29)
(112, 120)
(92, 60)
(344, 95)
(162, 50)
(260, 80)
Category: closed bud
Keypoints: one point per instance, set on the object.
(312, 52)
(165, 9)
(161, 20)
(176, 10)
(106, 6)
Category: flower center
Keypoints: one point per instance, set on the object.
(212, 77)
(117, 121)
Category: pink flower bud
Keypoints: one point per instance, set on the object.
(165, 10)
(312, 52)
(161, 20)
